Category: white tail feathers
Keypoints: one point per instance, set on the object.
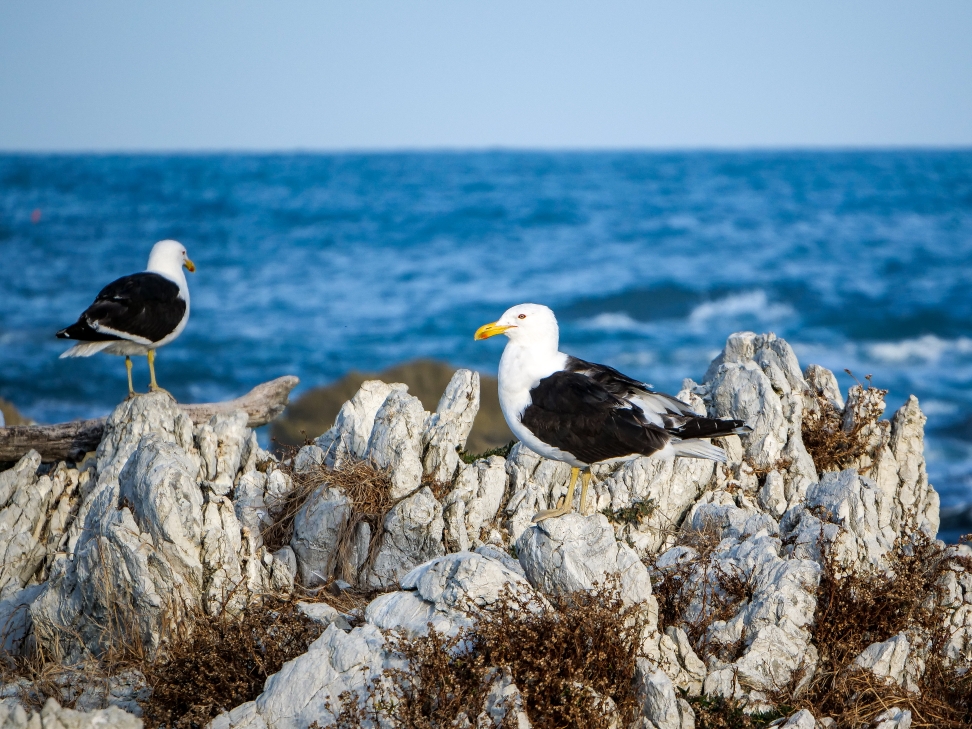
(86, 349)
(698, 449)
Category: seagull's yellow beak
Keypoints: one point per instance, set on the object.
(489, 330)
(190, 266)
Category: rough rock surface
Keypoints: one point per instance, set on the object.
(167, 519)
(52, 716)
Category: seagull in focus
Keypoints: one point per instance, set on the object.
(583, 413)
(137, 314)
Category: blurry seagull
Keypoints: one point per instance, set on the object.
(583, 413)
(137, 314)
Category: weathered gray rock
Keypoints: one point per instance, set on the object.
(680, 662)
(52, 716)
(893, 659)
(534, 483)
(442, 591)
(317, 528)
(352, 428)
(803, 719)
(472, 504)
(894, 718)
(321, 612)
(154, 536)
(915, 501)
(412, 534)
(24, 501)
(396, 442)
(502, 698)
(669, 486)
(308, 688)
(450, 425)
(846, 512)
(660, 704)
(575, 552)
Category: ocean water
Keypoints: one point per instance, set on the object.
(316, 264)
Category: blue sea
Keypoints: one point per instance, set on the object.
(315, 264)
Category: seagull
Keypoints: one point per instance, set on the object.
(137, 314)
(583, 413)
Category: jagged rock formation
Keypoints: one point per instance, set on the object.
(167, 519)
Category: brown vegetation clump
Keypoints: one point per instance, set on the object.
(223, 661)
(368, 490)
(692, 595)
(566, 662)
(836, 439)
(857, 609)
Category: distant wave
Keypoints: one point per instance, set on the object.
(616, 321)
(929, 349)
(751, 303)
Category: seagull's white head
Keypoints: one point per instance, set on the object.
(168, 257)
(530, 325)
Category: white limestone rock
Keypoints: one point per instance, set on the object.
(52, 716)
(915, 501)
(575, 552)
(660, 704)
(893, 659)
(450, 425)
(317, 527)
(440, 591)
(894, 718)
(351, 432)
(803, 719)
(535, 483)
(395, 445)
(670, 486)
(24, 501)
(412, 534)
(847, 512)
(502, 698)
(152, 538)
(474, 501)
(308, 688)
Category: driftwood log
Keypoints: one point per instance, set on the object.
(70, 441)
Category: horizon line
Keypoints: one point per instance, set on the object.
(489, 149)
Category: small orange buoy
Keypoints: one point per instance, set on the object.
(35, 216)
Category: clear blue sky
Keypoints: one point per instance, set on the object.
(364, 74)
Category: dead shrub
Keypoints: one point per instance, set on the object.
(693, 595)
(860, 608)
(562, 660)
(222, 661)
(836, 439)
(633, 514)
(368, 490)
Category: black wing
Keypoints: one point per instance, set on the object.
(146, 306)
(626, 388)
(576, 414)
(671, 414)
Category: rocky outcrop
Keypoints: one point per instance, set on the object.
(168, 518)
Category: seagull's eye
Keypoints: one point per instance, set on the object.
(521, 316)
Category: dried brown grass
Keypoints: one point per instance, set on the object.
(222, 661)
(860, 608)
(368, 490)
(837, 439)
(695, 594)
(564, 661)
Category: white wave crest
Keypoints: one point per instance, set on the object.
(751, 303)
(928, 348)
(616, 321)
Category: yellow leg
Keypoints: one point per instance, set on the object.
(153, 385)
(585, 480)
(567, 504)
(128, 366)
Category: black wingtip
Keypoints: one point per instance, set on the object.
(63, 334)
